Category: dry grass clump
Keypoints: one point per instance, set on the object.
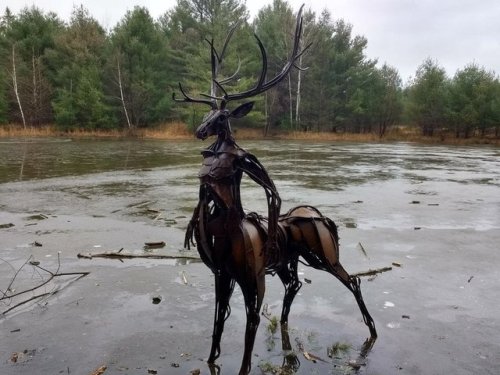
(248, 133)
(173, 130)
(98, 133)
(330, 136)
(17, 130)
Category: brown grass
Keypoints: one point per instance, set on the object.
(331, 137)
(14, 130)
(173, 130)
(179, 130)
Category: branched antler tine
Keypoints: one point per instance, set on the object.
(263, 73)
(298, 33)
(304, 50)
(189, 99)
(214, 61)
(212, 48)
(216, 83)
(261, 85)
(212, 97)
(229, 79)
(219, 85)
(299, 55)
(257, 89)
(228, 38)
(300, 68)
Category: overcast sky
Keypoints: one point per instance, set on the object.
(400, 32)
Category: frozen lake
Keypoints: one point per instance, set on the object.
(432, 210)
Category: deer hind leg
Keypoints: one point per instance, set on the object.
(292, 284)
(319, 235)
(224, 286)
(353, 283)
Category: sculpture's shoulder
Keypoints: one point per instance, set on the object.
(231, 148)
(222, 161)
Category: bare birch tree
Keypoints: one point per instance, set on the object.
(122, 96)
(14, 83)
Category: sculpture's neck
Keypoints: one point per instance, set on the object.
(224, 138)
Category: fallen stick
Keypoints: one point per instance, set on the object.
(52, 275)
(119, 255)
(309, 356)
(28, 300)
(99, 371)
(373, 272)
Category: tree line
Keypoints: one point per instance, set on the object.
(78, 75)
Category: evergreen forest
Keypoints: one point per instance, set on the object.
(78, 75)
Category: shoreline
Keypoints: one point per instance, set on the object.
(179, 131)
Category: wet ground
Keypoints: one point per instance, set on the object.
(432, 213)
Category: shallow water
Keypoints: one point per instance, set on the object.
(434, 210)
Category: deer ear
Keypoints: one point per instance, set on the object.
(242, 110)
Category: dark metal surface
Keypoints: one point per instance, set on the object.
(242, 247)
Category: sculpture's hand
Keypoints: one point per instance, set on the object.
(188, 239)
(272, 252)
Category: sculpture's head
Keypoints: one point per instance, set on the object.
(216, 122)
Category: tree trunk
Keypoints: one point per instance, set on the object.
(297, 100)
(14, 82)
(34, 112)
(266, 114)
(122, 97)
(290, 106)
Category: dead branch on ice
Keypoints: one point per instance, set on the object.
(119, 255)
(373, 272)
(9, 293)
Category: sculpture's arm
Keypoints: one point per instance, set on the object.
(256, 171)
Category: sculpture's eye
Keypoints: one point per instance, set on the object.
(208, 116)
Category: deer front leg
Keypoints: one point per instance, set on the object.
(249, 265)
(224, 286)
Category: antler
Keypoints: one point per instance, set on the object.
(262, 86)
(188, 99)
(216, 60)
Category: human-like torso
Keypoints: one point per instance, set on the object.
(220, 176)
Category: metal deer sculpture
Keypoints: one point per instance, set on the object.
(242, 248)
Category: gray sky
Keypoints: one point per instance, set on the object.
(400, 32)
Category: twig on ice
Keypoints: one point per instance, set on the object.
(373, 272)
(120, 255)
(9, 296)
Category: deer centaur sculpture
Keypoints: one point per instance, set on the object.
(242, 248)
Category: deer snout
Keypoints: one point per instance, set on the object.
(201, 132)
